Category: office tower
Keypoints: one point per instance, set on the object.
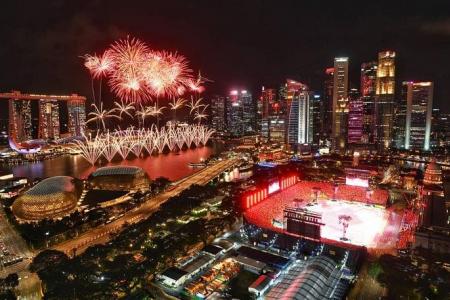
(328, 102)
(48, 119)
(249, 111)
(355, 117)
(218, 120)
(20, 127)
(265, 103)
(277, 122)
(440, 129)
(414, 116)
(77, 117)
(340, 104)
(318, 113)
(385, 99)
(241, 113)
(368, 92)
(300, 121)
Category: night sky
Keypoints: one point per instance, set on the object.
(235, 43)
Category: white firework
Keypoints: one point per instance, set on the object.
(141, 141)
(123, 108)
(101, 115)
(195, 105)
(91, 148)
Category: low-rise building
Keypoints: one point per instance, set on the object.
(260, 285)
(173, 277)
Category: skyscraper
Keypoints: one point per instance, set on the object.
(355, 117)
(241, 113)
(300, 121)
(328, 102)
(385, 98)
(318, 113)
(265, 103)
(415, 115)
(49, 124)
(77, 117)
(340, 104)
(368, 92)
(20, 127)
(218, 121)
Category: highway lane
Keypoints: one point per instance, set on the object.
(103, 233)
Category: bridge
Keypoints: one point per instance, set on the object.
(103, 233)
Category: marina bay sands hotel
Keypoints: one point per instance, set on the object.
(50, 108)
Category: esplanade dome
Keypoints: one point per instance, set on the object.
(51, 198)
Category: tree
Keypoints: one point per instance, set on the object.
(46, 259)
(12, 280)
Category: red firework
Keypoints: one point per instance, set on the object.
(167, 74)
(136, 73)
(99, 66)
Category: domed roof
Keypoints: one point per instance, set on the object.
(116, 170)
(52, 185)
(51, 198)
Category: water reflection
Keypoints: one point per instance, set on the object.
(171, 165)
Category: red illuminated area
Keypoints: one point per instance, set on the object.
(372, 226)
(255, 196)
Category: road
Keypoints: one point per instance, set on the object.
(15, 245)
(29, 284)
(103, 233)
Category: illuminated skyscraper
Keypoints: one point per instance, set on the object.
(414, 116)
(300, 121)
(77, 117)
(368, 92)
(318, 115)
(241, 113)
(20, 127)
(385, 98)
(340, 104)
(265, 103)
(355, 117)
(48, 119)
(218, 121)
(328, 102)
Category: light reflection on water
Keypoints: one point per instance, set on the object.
(171, 165)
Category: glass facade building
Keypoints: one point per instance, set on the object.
(340, 104)
(414, 116)
(385, 99)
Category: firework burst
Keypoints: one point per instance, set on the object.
(137, 73)
(99, 66)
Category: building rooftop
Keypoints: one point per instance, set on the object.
(313, 279)
(174, 273)
(260, 284)
(198, 262)
(116, 170)
(250, 262)
(213, 250)
(270, 259)
(52, 185)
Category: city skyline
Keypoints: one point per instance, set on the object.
(397, 27)
(254, 149)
